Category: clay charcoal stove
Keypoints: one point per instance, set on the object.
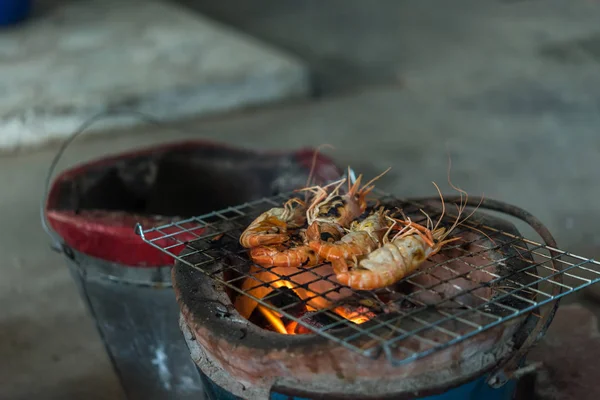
(468, 312)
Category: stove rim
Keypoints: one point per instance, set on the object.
(200, 356)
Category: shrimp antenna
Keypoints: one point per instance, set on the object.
(320, 188)
(376, 178)
(472, 227)
(460, 208)
(459, 190)
(443, 206)
(324, 198)
(429, 221)
(463, 205)
(349, 179)
(322, 194)
(389, 230)
(314, 164)
(317, 188)
(400, 232)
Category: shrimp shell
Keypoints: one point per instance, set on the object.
(284, 257)
(386, 265)
(394, 260)
(340, 209)
(364, 237)
(271, 227)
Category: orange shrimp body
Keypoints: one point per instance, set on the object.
(330, 213)
(271, 227)
(364, 237)
(394, 260)
(401, 256)
(284, 257)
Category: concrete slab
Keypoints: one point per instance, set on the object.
(84, 57)
(448, 47)
(569, 356)
(368, 133)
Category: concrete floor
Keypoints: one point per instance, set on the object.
(151, 55)
(509, 89)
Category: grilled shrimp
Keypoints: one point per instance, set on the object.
(292, 253)
(324, 231)
(272, 226)
(364, 237)
(283, 256)
(295, 253)
(393, 261)
(401, 256)
(339, 209)
(329, 214)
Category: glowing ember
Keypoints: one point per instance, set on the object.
(358, 317)
(316, 288)
(291, 327)
(282, 283)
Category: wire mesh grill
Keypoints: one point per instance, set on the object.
(490, 277)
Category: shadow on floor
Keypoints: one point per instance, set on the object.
(346, 43)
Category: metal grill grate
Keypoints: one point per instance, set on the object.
(490, 277)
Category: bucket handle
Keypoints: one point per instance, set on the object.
(510, 367)
(58, 243)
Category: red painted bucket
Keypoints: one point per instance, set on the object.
(91, 210)
(101, 225)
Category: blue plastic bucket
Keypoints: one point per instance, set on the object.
(476, 389)
(14, 11)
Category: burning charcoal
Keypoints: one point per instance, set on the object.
(319, 319)
(403, 306)
(356, 313)
(315, 320)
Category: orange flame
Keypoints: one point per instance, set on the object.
(261, 282)
(356, 317)
(291, 327)
(274, 319)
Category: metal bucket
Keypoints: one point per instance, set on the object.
(125, 283)
(131, 303)
(134, 311)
